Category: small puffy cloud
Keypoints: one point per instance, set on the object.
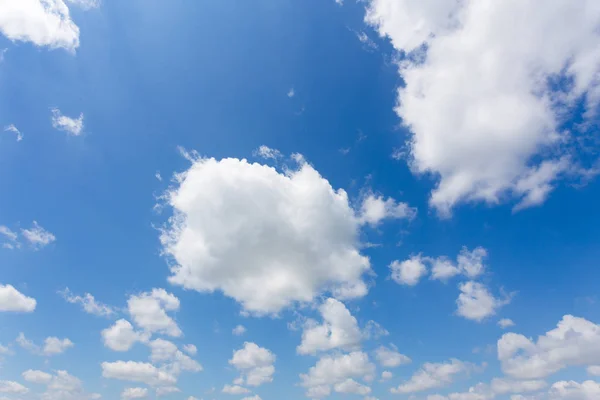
(476, 302)
(390, 357)
(121, 336)
(134, 393)
(234, 389)
(255, 364)
(408, 272)
(350, 386)
(574, 342)
(11, 300)
(64, 386)
(386, 375)
(505, 323)
(593, 370)
(165, 390)
(375, 209)
(44, 23)
(137, 372)
(336, 369)
(468, 263)
(13, 129)
(149, 312)
(190, 349)
(571, 390)
(267, 153)
(239, 330)
(37, 236)
(54, 346)
(503, 386)
(432, 375)
(73, 126)
(338, 330)
(12, 387)
(164, 351)
(238, 226)
(11, 237)
(88, 303)
(39, 377)
(291, 93)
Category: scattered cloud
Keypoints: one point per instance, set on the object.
(134, 393)
(408, 272)
(73, 126)
(85, 4)
(149, 312)
(239, 330)
(375, 209)
(571, 390)
(137, 372)
(497, 132)
(11, 300)
(122, 336)
(505, 323)
(11, 237)
(390, 357)
(366, 40)
(234, 389)
(46, 23)
(37, 236)
(88, 303)
(39, 377)
(190, 349)
(476, 303)
(291, 93)
(255, 364)
(432, 375)
(238, 226)
(13, 129)
(54, 346)
(350, 386)
(267, 153)
(12, 387)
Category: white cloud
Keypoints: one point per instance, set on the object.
(11, 236)
(42, 22)
(64, 386)
(505, 323)
(255, 397)
(432, 375)
(121, 336)
(238, 226)
(134, 393)
(366, 40)
(468, 263)
(338, 330)
(165, 390)
(267, 153)
(137, 372)
(491, 87)
(239, 330)
(234, 389)
(37, 236)
(574, 342)
(149, 311)
(12, 387)
(390, 357)
(85, 4)
(593, 370)
(291, 93)
(375, 209)
(503, 386)
(350, 386)
(255, 363)
(12, 300)
(54, 346)
(73, 126)
(476, 302)
(13, 129)
(335, 369)
(563, 390)
(39, 377)
(176, 361)
(386, 375)
(88, 302)
(190, 349)
(408, 272)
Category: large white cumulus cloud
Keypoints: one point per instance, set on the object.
(480, 94)
(263, 237)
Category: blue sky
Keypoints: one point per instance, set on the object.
(380, 199)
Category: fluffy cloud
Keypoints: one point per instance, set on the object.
(39, 377)
(85, 4)
(255, 363)
(505, 323)
(432, 375)
(42, 22)
(255, 397)
(239, 330)
(408, 272)
(73, 126)
(121, 336)
(175, 360)
(54, 346)
(479, 68)
(476, 302)
(375, 209)
(468, 263)
(12, 300)
(12, 387)
(11, 236)
(503, 386)
(575, 341)
(386, 375)
(563, 390)
(390, 357)
(88, 303)
(234, 389)
(149, 311)
(134, 393)
(238, 226)
(165, 390)
(190, 349)
(334, 370)
(338, 330)
(137, 372)
(37, 236)
(267, 152)
(13, 129)
(350, 386)
(593, 370)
